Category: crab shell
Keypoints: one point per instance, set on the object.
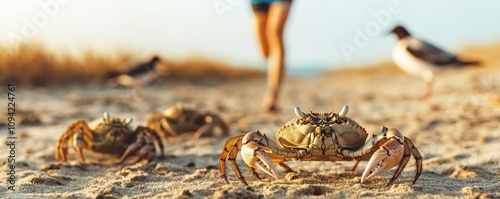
(111, 134)
(181, 119)
(186, 119)
(321, 132)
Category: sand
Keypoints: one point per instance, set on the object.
(456, 130)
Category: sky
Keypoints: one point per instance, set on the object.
(319, 34)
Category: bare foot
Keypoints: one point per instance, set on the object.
(271, 109)
(270, 105)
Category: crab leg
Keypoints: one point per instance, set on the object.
(157, 123)
(78, 133)
(355, 165)
(78, 144)
(156, 139)
(387, 156)
(145, 143)
(212, 122)
(207, 128)
(133, 147)
(232, 144)
(169, 127)
(62, 147)
(253, 171)
(232, 160)
(146, 152)
(409, 150)
(219, 122)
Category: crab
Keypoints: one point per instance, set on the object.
(180, 119)
(321, 137)
(109, 136)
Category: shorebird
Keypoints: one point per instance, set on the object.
(139, 75)
(422, 59)
(143, 73)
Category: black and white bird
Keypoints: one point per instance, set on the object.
(138, 75)
(422, 59)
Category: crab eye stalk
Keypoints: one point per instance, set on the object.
(344, 111)
(299, 113)
(128, 120)
(106, 117)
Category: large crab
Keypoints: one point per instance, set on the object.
(180, 119)
(109, 136)
(322, 137)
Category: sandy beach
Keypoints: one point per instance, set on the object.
(457, 131)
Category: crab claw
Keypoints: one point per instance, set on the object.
(386, 157)
(255, 156)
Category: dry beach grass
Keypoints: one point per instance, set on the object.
(457, 131)
(35, 65)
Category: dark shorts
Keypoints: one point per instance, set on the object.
(263, 5)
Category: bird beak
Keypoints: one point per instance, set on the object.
(390, 32)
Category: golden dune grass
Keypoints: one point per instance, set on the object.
(387, 67)
(32, 64)
(487, 55)
(197, 69)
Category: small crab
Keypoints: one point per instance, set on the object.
(110, 136)
(322, 137)
(180, 119)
